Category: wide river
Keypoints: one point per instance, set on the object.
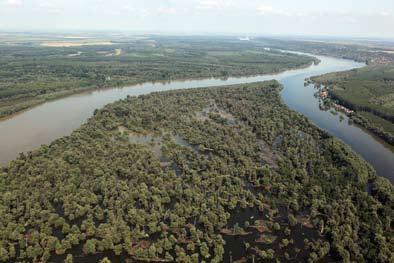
(49, 121)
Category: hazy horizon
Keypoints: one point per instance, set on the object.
(346, 18)
(109, 32)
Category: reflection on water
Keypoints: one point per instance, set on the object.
(267, 238)
(54, 119)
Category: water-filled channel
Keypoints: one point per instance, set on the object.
(47, 122)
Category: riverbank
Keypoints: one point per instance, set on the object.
(368, 92)
(125, 198)
(8, 108)
(58, 118)
(32, 75)
(329, 103)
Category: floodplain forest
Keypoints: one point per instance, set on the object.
(31, 73)
(204, 175)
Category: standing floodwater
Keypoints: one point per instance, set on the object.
(54, 119)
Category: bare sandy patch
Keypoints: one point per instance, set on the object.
(77, 37)
(75, 44)
(118, 52)
(75, 54)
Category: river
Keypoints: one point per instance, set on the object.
(42, 124)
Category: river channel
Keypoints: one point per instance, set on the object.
(42, 124)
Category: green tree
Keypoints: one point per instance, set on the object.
(152, 251)
(90, 246)
(292, 220)
(204, 250)
(4, 256)
(69, 259)
(105, 260)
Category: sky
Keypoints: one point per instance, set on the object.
(353, 18)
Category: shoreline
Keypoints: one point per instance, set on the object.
(72, 112)
(326, 94)
(67, 93)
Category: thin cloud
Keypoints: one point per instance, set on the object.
(207, 4)
(169, 10)
(219, 4)
(265, 9)
(385, 13)
(13, 3)
(285, 16)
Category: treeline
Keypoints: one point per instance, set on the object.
(357, 107)
(369, 90)
(166, 177)
(356, 52)
(364, 122)
(33, 74)
(378, 131)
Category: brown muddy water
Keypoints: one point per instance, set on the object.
(49, 121)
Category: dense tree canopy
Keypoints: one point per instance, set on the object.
(203, 175)
(31, 74)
